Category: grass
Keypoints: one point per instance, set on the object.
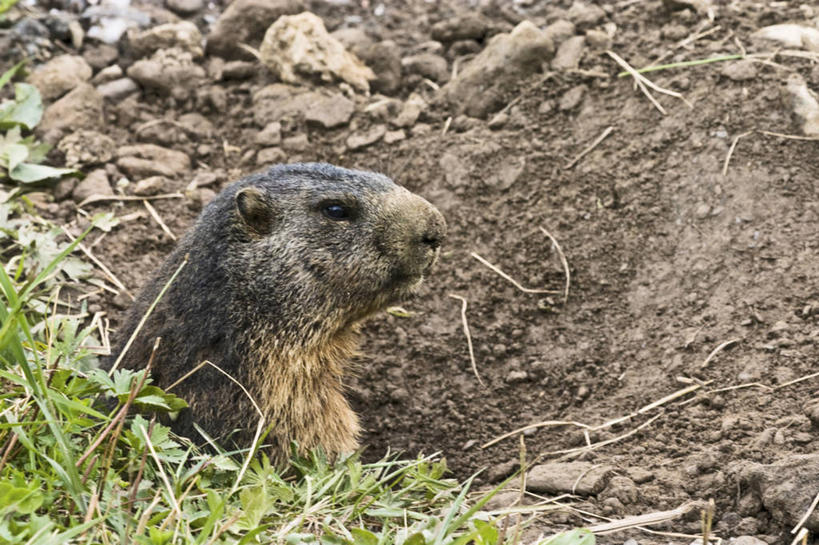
(83, 458)
(80, 463)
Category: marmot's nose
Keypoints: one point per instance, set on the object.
(434, 231)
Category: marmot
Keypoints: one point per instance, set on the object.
(282, 268)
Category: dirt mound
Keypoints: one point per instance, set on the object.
(690, 235)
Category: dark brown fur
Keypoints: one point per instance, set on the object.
(273, 293)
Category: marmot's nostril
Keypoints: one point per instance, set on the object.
(435, 232)
(432, 239)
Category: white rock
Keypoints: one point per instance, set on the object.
(790, 35)
(297, 48)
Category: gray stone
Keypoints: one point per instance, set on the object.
(812, 411)
(270, 136)
(153, 185)
(270, 156)
(391, 137)
(371, 136)
(747, 540)
(109, 73)
(118, 89)
(95, 183)
(741, 70)
(238, 70)
(60, 75)
(185, 7)
(245, 21)
(427, 65)
(464, 47)
(498, 472)
(569, 53)
(483, 84)
(786, 487)
(585, 15)
(298, 49)
(410, 111)
(559, 31)
(182, 35)
(330, 111)
(572, 98)
(581, 478)
(598, 40)
(352, 38)
(503, 500)
(145, 160)
(384, 58)
(498, 121)
(517, 376)
(86, 147)
(64, 188)
(100, 56)
(298, 142)
(460, 27)
(196, 125)
(278, 101)
(137, 167)
(79, 109)
(168, 72)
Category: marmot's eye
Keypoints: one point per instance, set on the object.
(336, 212)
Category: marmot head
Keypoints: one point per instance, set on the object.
(318, 248)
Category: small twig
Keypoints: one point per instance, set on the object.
(791, 136)
(509, 278)
(111, 276)
(801, 537)
(606, 442)
(546, 423)
(670, 397)
(239, 384)
(605, 425)
(161, 470)
(186, 375)
(731, 151)
(103, 198)
(807, 515)
(717, 350)
(158, 219)
(707, 521)
(683, 64)
(446, 125)
(589, 148)
(641, 520)
(564, 261)
(796, 380)
(645, 81)
(468, 336)
(145, 317)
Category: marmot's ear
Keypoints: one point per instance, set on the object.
(255, 211)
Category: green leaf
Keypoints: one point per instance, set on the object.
(255, 505)
(8, 74)
(27, 173)
(363, 537)
(416, 539)
(76, 268)
(23, 500)
(12, 155)
(105, 221)
(25, 110)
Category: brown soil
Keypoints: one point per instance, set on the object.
(669, 259)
